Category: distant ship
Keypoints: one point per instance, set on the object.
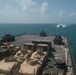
(61, 25)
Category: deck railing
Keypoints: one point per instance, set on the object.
(71, 56)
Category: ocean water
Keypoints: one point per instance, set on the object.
(50, 29)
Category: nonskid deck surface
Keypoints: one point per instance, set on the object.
(57, 51)
(29, 38)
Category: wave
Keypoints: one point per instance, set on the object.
(61, 25)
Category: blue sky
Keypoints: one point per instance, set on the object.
(37, 11)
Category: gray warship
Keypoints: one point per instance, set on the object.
(37, 55)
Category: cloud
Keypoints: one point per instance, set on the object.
(5, 10)
(44, 8)
(62, 13)
(26, 5)
(30, 6)
(29, 11)
(72, 14)
(8, 11)
(8, 7)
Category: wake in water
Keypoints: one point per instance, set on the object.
(61, 25)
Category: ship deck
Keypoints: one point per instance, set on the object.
(57, 51)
